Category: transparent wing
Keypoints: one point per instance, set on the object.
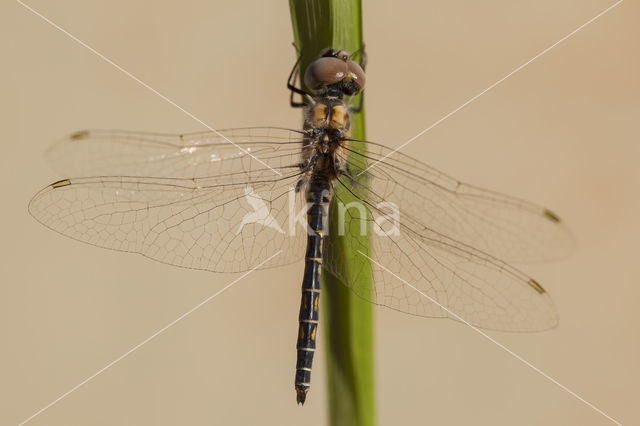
(124, 153)
(227, 212)
(430, 201)
(429, 274)
(210, 205)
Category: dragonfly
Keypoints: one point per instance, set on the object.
(228, 201)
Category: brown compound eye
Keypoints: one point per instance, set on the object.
(357, 74)
(326, 71)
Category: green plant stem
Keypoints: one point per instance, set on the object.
(347, 319)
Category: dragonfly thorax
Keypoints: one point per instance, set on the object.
(328, 115)
(327, 124)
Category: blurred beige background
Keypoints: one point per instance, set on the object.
(562, 132)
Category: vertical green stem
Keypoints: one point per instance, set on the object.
(347, 319)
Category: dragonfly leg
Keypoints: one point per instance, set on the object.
(291, 85)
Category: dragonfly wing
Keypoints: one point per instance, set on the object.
(430, 201)
(227, 223)
(125, 153)
(431, 275)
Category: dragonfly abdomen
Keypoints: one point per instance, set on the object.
(318, 197)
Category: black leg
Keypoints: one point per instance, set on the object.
(363, 57)
(363, 65)
(357, 109)
(291, 85)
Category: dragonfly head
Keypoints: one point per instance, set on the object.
(335, 74)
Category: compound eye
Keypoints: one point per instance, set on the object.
(325, 71)
(344, 55)
(357, 74)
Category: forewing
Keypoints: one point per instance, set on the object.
(432, 202)
(190, 201)
(194, 155)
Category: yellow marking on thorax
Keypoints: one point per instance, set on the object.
(339, 117)
(345, 142)
(336, 116)
(318, 115)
